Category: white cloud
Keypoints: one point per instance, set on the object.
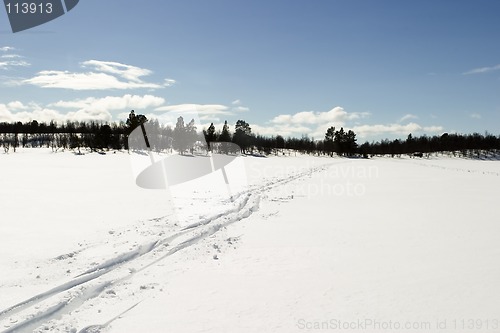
(262, 130)
(103, 75)
(482, 70)
(284, 130)
(42, 114)
(240, 109)
(169, 82)
(83, 81)
(5, 114)
(364, 131)
(335, 117)
(206, 112)
(206, 109)
(97, 109)
(8, 61)
(311, 123)
(407, 117)
(17, 105)
(475, 116)
(109, 103)
(433, 129)
(86, 115)
(13, 63)
(209, 118)
(314, 124)
(237, 107)
(128, 72)
(11, 56)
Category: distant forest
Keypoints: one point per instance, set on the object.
(186, 138)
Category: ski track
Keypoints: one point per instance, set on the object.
(97, 328)
(247, 202)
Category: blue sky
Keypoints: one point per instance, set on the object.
(381, 68)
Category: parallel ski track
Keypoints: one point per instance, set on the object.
(246, 203)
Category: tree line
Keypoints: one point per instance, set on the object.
(70, 135)
(186, 138)
(464, 145)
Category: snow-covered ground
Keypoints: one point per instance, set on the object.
(303, 244)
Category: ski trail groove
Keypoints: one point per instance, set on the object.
(202, 229)
(97, 328)
(105, 268)
(56, 311)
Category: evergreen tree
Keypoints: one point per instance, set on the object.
(329, 137)
(339, 140)
(191, 135)
(179, 139)
(223, 138)
(242, 135)
(350, 142)
(280, 143)
(210, 135)
(184, 136)
(225, 135)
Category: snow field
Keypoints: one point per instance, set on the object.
(414, 241)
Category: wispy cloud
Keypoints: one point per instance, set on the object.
(10, 56)
(237, 107)
(8, 64)
(240, 109)
(9, 60)
(202, 109)
(110, 103)
(169, 82)
(475, 116)
(407, 117)
(207, 112)
(83, 81)
(128, 72)
(394, 129)
(482, 70)
(103, 75)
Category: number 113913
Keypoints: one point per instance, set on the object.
(29, 8)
